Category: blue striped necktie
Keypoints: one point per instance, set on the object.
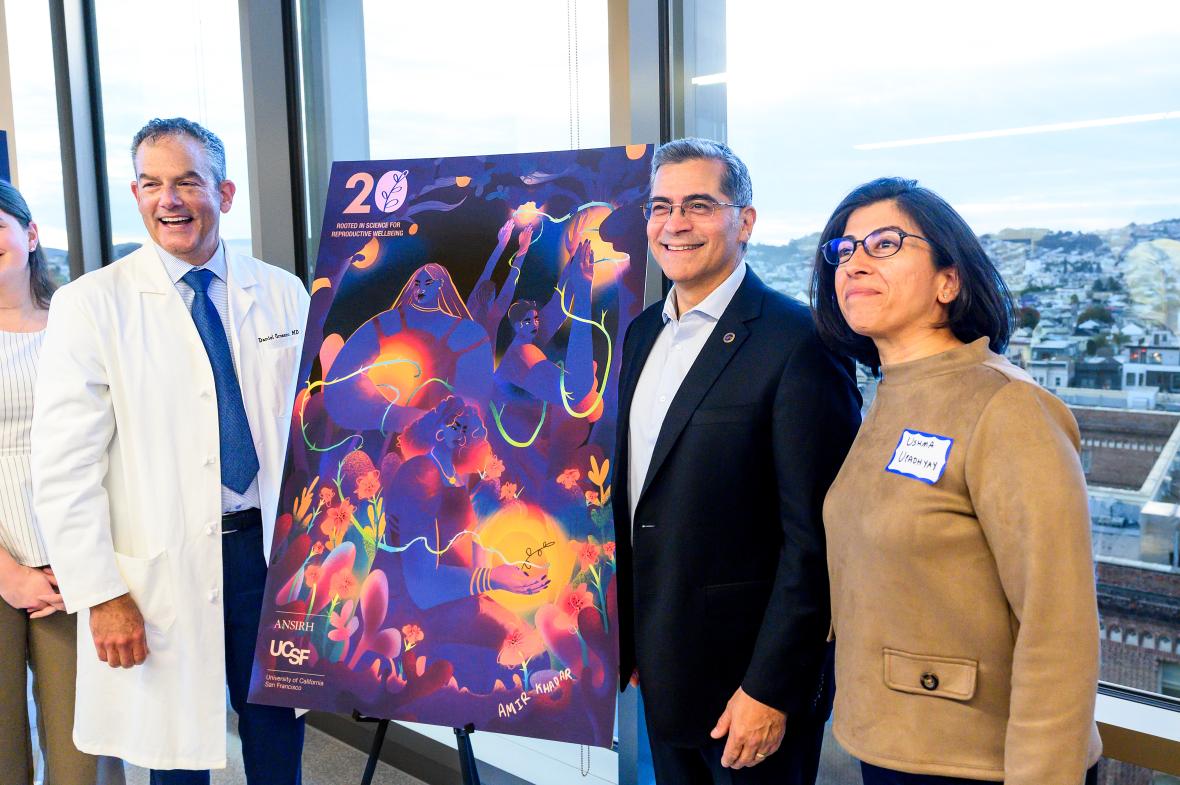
(239, 462)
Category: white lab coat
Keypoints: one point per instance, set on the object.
(127, 486)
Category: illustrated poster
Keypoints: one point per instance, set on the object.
(444, 551)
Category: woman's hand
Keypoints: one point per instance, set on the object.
(30, 589)
(511, 578)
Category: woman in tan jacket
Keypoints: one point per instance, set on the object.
(958, 531)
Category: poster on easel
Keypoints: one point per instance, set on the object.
(444, 548)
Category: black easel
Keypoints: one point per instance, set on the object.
(467, 755)
(467, 765)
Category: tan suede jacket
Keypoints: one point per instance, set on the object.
(962, 578)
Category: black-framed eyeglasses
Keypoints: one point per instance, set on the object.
(879, 244)
(659, 211)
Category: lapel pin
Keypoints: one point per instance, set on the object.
(728, 337)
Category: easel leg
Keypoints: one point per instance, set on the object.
(466, 755)
(375, 752)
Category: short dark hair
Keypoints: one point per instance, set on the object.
(157, 128)
(518, 309)
(41, 286)
(735, 183)
(983, 306)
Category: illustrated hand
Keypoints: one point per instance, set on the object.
(576, 231)
(511, 578)
(505, 232)
(755, 731)
(584, 259)
(525, 239)
(117, 629)
(25, 587)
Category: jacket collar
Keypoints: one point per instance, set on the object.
(147, 269)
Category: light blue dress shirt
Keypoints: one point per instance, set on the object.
(671, 358)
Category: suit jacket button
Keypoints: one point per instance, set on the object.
(929, 681)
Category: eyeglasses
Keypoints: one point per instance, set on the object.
(658, 212)
(879, 244)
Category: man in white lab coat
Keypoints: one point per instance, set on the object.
(161, 420)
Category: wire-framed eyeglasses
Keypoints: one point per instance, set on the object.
(659, 211)
(879, 244)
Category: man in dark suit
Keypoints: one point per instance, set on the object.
(733, 420)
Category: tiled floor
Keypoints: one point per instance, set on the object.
(326, 761)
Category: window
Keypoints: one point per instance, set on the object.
(384, 80)
(1170, 679)
(38, 148)
(1051, 135)
(527, 79)
(1058, 149)
(167, 60)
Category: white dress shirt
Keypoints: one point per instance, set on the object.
(231, 501)
(671, 358)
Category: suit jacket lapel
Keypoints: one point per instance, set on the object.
(645, 330)
(715, 355)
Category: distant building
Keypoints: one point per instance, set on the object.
(1139, 624)
(1053, 348)
(1050, 373)
(1098, 373)
(1164, 377)
(1128, 459)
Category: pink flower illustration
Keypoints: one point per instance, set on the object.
(344, 585)
(343, 624)
(520, 645)
(412, 635)
(592, 499)
(587, 552)
(337, 520)
(609, 549)
(508, 491)
(571, 602)
(368, 484)
(327, 494)
(493, 468)
(569, 479)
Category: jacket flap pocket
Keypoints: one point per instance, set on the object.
(150, 583)
(922, 674)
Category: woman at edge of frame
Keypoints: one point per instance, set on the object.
(963, 598)
(35, 635)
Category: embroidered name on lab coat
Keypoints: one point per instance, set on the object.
(921, 456)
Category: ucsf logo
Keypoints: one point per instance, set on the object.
(290, 651)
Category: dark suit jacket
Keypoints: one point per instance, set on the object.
(722, 577)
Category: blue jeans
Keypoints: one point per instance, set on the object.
(272, 738)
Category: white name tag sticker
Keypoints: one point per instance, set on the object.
(919, 455)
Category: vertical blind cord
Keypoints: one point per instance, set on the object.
(573, 81)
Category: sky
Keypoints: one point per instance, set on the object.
(810, 83)
(813, 92)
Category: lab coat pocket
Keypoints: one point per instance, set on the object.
(282, 363)
(924, 674)
(150, 582)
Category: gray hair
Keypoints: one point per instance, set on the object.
(179, 126)
(735, 182)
